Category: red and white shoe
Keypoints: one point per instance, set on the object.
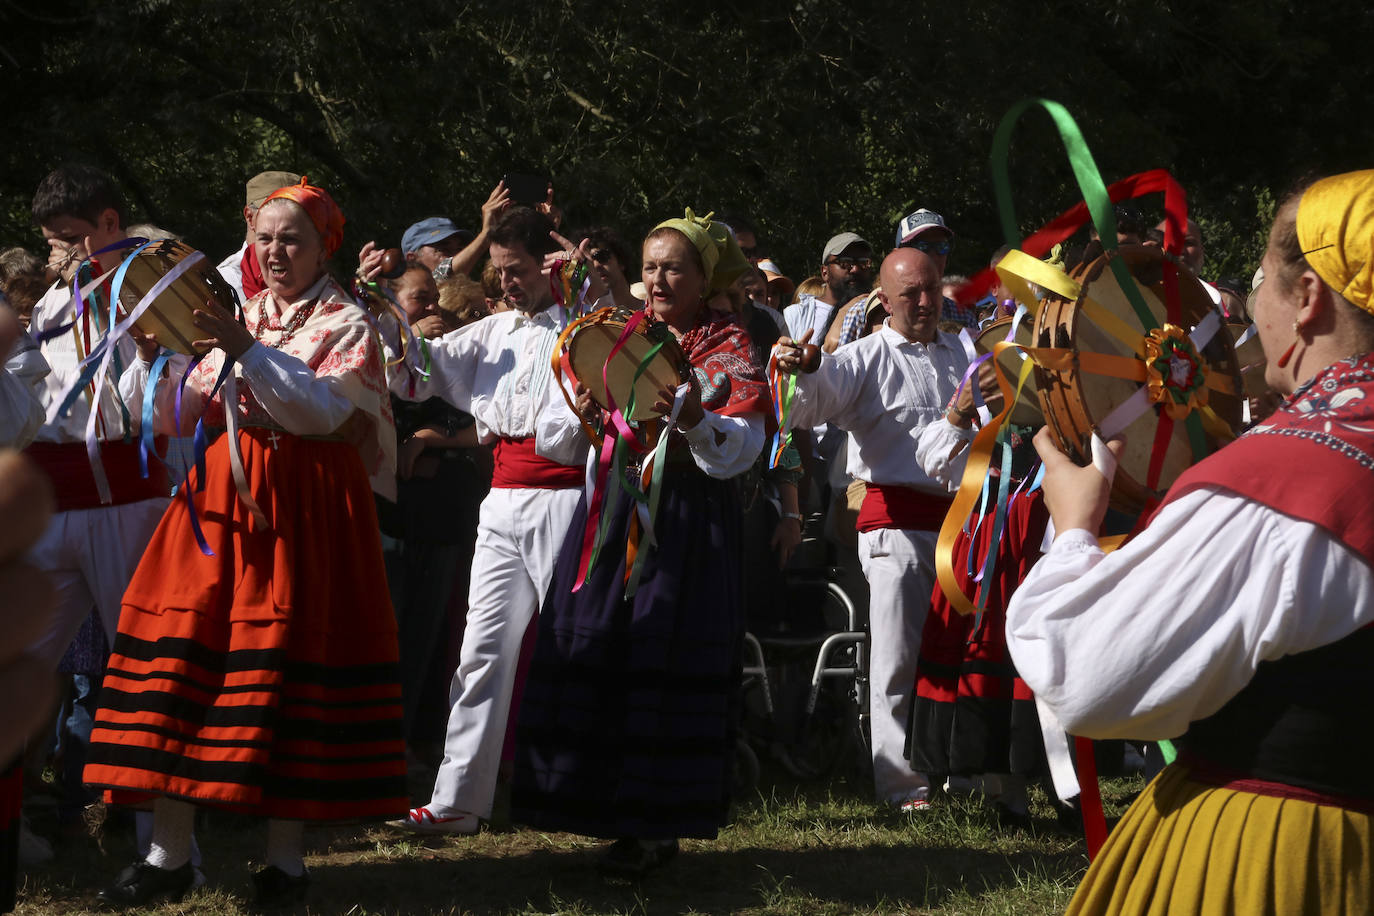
(422, 820)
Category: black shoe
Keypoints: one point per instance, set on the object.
(1007, 819)
(630, 859)
(274, 887)
(142, 883)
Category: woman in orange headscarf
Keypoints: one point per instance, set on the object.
(255, 667)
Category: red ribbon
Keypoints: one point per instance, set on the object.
(1040, 242)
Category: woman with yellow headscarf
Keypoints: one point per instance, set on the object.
(1240, 622)
(625, 726)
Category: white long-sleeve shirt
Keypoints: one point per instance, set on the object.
(1164, 631)
(883, 389)
(499, 370)
(52, 311)
(301, 402)
(21, 380)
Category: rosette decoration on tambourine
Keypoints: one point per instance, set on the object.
(1148, 358)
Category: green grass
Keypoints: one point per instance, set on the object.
(796, 850)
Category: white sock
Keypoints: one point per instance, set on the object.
(284, 843)
(143, 837)
(173, 831)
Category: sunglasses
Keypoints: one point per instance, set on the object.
(602, 255)
(942, 247)
(851, 263)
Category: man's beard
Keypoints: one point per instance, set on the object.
(848, 290)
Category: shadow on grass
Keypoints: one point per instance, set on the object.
(701, 881)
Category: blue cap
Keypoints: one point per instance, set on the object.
(429, 231)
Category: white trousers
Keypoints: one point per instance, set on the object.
(900, 568)
(519, 534)
(89, 556)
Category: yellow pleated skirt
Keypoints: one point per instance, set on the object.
(1189, 848)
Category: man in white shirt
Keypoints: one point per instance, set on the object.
(91, 546)
(883, 389)
(499, 370)
(846, 271)
(259, 187)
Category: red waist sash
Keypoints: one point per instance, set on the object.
(891, 506)
(518, 467)
(1208, 773)
(67, 464)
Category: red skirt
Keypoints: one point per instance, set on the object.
(263, 679)
(970, 712)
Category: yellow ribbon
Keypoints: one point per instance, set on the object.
(971, 487)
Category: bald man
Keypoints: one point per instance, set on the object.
(882, 390)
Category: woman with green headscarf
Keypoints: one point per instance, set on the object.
(1240, 621)
(625, 728)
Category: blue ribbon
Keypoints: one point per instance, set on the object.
(145, 443)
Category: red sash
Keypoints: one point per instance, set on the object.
(519, 468)
(67, 464)
(890, 506)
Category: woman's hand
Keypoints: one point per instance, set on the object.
(147, 344)
(1076, 497)
(225, 333)
(582, 254)
(587, 408)
(691, 412)
(370, 261)
(429, 327)
(413, 448)
(786, 536)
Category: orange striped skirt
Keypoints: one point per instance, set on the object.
(1186, 847)
(263, 679)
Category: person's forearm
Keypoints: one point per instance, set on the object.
(466, 261)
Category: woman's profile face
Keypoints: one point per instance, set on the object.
(418, 294)
(674, 285)
(1275, 313)
(289, 249)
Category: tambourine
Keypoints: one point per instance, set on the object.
(611, 348)
(1173, 388)
(1252, 359)
(1027, 411)
(170, 315)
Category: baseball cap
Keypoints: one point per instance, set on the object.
(914, 224)
(261, 186)
(839, 243)
(773, 275)
(430, 230)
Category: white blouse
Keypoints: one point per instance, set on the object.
(1164, 631)
(883, 390)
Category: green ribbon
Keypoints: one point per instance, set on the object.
(1170, 753)
(1090, 183)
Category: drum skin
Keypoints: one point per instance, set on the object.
(170, 316)
(1027, 411)
(1076, 402)
(591, 343)
(1252, 362)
